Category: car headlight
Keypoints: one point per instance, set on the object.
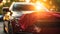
(16, 19)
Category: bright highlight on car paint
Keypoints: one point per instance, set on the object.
(39, 6)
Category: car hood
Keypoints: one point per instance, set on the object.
(30, 19)
(57, 14)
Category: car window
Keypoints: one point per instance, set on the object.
(23, 7)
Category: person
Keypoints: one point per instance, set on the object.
(7, 15)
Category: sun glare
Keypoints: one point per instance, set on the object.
(38, 5)
(27, 1)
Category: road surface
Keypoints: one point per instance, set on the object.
(54, 30)
(1, 28)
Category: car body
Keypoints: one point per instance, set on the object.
(25, 20)
(1, 17)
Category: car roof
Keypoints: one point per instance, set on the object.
(20, 3)
(23, 3)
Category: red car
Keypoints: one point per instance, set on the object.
(25, 20)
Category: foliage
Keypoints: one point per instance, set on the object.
(55, 2)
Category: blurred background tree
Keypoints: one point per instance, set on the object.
(51, 3)
(57, 3)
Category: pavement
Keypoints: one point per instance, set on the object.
(1, 28)
(48, 30)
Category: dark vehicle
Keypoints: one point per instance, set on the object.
(26, 20)
(1, 17)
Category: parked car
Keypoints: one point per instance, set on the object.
(26, 20)
(1, 17)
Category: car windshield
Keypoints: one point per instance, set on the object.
(23, 7)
